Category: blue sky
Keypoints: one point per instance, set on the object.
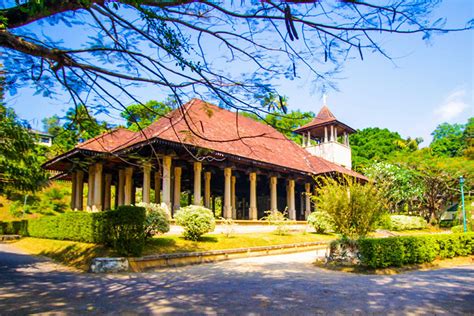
(425, 84)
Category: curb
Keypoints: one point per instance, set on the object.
(141, 264)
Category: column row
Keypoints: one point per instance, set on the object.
(99, 185)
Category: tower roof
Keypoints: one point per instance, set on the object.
(324, 118)
(325, 114)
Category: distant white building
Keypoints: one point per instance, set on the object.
(42, 138)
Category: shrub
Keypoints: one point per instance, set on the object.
(384, 222)
(398, 251)
(354, 207)
(14, 228)
(157, 220)
(321, 221)
(76, 226)
(122, 228)
(126, 226)
(460, 228)
(279, 219)
(196, 221)
(404, 222)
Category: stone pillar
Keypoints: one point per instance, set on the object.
(177, 188)
(253, 196)
(232, 197)
(307, 203)
(157, 187)
(325, 134)
(97, 206)
(79, 190)
(346, 139)
(90, 187)
(197, 182)
(121, 187)
(332, 134)
(167, 181)
(73, 190)
(207, 189)
(128, 186)
(309, 139)
(291, 197)
(273, 194)
(335, 133)
(107, 191)
(227, 196)
(146, 183)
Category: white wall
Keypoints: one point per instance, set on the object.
(334, 152)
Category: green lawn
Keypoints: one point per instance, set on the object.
(71, 253)
(174, 244)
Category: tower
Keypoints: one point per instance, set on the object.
(328, 138)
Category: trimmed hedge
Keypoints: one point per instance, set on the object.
(126, 229)
(76, 226)
(398, 251)
(14, 228)
(123, 228)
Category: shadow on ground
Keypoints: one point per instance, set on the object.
(270, 285)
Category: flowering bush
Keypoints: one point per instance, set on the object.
(404, 222)
(196, 221)
(157, 219)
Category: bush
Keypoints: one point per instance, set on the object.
(76, 226)
(279, 219)
(460, 228)
(126, 226)
(196, 221)
(14, 228)
(404, 222)
(384, 222)
(157, 219)
(354, 207)
(321, 221)
(398, 251)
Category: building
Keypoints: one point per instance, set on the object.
(41, 138)
(210, 152)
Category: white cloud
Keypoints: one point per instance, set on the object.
(453, 105)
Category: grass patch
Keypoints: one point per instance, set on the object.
(436, 264)
(177, 244)
(71, 253)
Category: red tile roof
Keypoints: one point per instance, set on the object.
(205, 125)
(109, 141)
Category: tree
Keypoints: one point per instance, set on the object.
(376, 144)
(400, 185)
(139, 116)
(20, 164)
(78, 125)
(285, 123)
(468, 137)
(183, 47)
(448, 140)
(439, 178)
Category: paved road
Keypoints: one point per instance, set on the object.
(284, 284)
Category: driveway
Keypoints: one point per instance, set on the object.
(283, 284)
